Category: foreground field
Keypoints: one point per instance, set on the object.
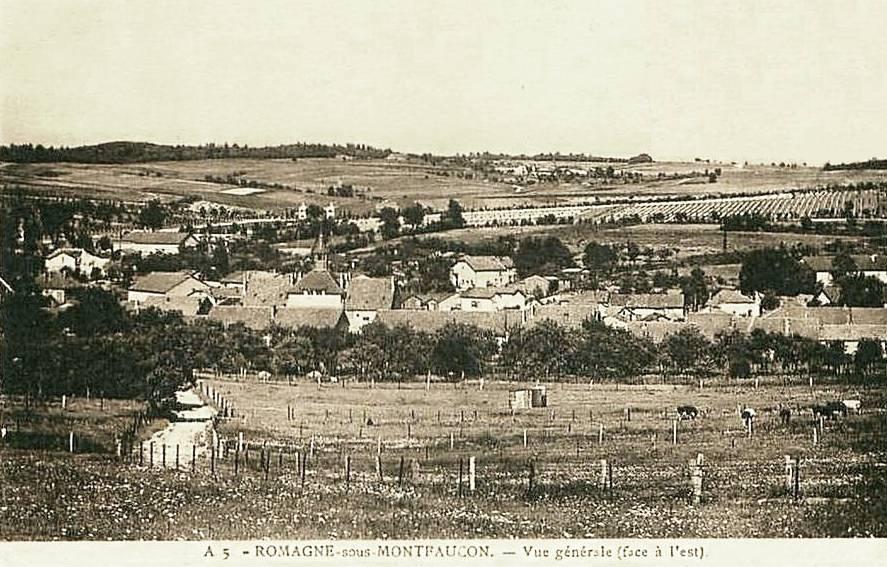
(421, 437)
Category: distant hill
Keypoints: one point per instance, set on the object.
(137, 152)
(870, 164)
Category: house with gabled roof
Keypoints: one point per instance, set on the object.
(166, 284)
(57, 286)
(156, 242)
(364, 298)
(734, 302)
(425, 301)
(648, 306)
(482, 271)
(492, 299)
(317, 288)
(75, 260)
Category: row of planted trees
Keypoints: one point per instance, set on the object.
(96, 346)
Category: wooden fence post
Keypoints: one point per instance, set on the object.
(400, 472)
(152, 454)
(674, 432)
(71, 442)
(471, 475)
(461, 471)
(600, 434)
(606, 475)
(379, 469)
(177, 456)
(163, 455)
(696, 479)
(531, 476)
(525, 438)
(347, 470)
(792, 476)
(193, 457)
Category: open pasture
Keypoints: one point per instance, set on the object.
(309, 467)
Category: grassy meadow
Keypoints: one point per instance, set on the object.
(262, 492)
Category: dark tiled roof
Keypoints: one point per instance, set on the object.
(655, 331)
(318, 280)
(488, 263)
(866, 263)
(710, 324)
(498, 322)
(566, 314)
(253, 317)
(187, 306)
(369, 294)
(159, 282)
(321, 318)
(868, 316)
(853, 332)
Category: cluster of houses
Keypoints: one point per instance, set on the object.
(487, 293)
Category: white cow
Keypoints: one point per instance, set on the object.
(853, 405)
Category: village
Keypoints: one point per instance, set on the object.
(317, 281)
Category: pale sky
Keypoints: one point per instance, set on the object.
(740, 80)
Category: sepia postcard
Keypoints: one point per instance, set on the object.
(434, 283)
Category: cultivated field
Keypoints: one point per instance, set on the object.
(262, 491)
(687, 239)
(382, 180)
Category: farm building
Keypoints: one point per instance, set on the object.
(482, 271)
(424, 301)
(873, 265)
(146, 242)
(733, 302)
(365, 297)
(851, 335)
(492, 299)
(166, 284)
(75, 260)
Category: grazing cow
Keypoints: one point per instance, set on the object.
(747, 415)
(830, 410)
(853, 405)
(785, 416)
(688, 412)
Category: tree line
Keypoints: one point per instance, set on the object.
(136, 152)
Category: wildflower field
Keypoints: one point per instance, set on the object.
(308, 466)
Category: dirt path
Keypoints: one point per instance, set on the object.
(190, 434)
